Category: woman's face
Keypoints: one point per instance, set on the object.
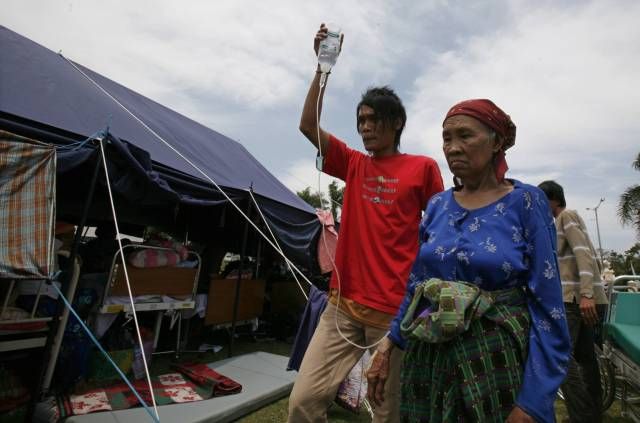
(469, 146)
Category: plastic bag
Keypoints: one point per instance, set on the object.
(353, 389)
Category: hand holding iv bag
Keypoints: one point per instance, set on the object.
(329, 48)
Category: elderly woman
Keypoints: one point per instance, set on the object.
(482, 321)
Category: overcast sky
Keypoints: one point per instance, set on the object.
(566, 72)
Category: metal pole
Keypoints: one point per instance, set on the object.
(236, 300)
(258, 257)
(57, 342)
(595, 210)
(598, 230)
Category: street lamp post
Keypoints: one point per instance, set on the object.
(595, 210)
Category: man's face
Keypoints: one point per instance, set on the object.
(378, 138)
(555, 207)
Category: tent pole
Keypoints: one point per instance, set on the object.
(236, 300)
(258, 258)
(57, 342)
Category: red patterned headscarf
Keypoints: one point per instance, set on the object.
(491, 115)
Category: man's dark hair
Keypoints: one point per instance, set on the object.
(387, 107)
(553, 191)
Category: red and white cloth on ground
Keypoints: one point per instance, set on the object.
(177, 388)
(191, 382)
(90, 402)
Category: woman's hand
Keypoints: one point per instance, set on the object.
(378, 372)
(517, 415)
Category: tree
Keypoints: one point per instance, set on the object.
(616, 262)
(625, 263)
(314, 199)
(629, 205)
(632, 256)
(336, 195)
(319, 200)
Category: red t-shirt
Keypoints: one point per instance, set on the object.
(381, 211)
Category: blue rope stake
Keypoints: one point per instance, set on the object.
(115, 366)
(79, 144)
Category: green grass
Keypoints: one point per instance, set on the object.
(277, 413)
(612, 415)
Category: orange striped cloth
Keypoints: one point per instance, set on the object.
(27, 207)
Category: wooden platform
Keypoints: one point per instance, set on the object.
(263, 377)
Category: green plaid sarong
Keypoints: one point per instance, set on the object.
(476, 375)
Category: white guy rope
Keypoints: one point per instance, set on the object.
(207, 177)
(279, 248)
(126, 276)
(323, 79)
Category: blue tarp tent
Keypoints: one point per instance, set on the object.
(46, 97)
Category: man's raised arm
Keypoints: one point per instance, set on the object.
(312, 110)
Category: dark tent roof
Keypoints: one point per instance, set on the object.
(43, 92)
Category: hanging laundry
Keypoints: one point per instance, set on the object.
(310, 318)
(327, 241)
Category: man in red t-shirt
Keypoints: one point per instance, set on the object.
(385, 193)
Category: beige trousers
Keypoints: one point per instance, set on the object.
(328, 360)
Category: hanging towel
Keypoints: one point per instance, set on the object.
(310, 318)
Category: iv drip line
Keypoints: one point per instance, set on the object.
(323, 80)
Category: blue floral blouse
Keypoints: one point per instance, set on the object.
(509, 243)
